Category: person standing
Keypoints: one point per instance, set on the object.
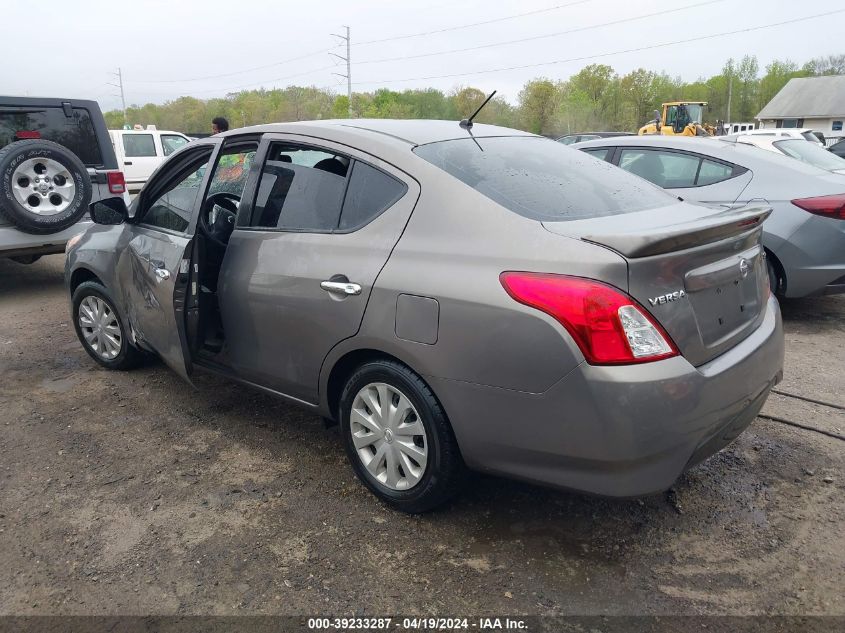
(219, 124)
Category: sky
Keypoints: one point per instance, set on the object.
(207, 48)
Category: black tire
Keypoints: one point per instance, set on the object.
(19, 215)
(774, 277)
(444, 469)
(128, 355)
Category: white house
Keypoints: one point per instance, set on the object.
(817, 103)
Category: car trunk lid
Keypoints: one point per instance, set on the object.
(702, 276)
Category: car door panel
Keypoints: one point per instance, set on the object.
(153, 269)
(279, 322)
(155, 292)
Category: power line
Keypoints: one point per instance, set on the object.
(541, 37)
(620, 52)
(473, 24)
(240, 72)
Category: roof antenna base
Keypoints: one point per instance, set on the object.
(467, 123)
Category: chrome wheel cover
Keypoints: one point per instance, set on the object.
(43, 186)
(388, 435)
(100, 327)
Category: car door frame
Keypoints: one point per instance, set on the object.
(182, 277)
(247, 210)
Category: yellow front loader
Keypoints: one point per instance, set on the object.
(680, 118)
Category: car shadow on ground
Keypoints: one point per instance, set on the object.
(824, 312)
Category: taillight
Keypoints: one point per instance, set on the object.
(117, 184)
(27, 134)
(609, 327)
(826, 206)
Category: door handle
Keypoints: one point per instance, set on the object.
(341, 287)
(162, 274)
(127, 162)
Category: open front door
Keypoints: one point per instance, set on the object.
(155, 268)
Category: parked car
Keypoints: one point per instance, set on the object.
(805, 235)
(800, 149)
(141, 151)
(489, 299)
(800, 132)
(838, 148)
(55, 159)
(569, 139)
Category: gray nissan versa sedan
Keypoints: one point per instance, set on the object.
(452, 297)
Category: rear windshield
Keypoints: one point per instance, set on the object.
(811, 153)
(75, 132)
(542, 179)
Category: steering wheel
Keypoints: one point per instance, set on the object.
(218, 226)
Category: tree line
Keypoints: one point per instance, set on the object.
(597, 98)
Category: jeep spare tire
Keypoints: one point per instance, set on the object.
(44, 187)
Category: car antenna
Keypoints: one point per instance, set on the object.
(467, 123)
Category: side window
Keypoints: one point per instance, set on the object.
(138, 145)
(232, 170)
(665, 169)
(712, 172)
(301, 189)
(171, 142)
(172, 208)
(602, 153)
(370, 192)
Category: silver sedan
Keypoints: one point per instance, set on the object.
(805, 235)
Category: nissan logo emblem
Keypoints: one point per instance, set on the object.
(743, 267)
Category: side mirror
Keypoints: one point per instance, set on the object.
(109, 211)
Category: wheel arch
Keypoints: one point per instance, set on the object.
(80, 276)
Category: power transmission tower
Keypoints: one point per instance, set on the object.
(348, 60)
(119, 84)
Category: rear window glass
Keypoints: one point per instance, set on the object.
(75, 132)
(542, 179)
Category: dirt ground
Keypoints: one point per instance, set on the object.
(130, 493)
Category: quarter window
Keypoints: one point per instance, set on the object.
(711, 172)
(138, 145)
(370, 192)
(301, 189)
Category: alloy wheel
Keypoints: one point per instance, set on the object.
(43, 186)
(389, 436)
(100, 327)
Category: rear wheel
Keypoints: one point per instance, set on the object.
(775, 280)
(398, 439)
(100, 328)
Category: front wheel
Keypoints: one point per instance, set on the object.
(398, 439)
(100, 328)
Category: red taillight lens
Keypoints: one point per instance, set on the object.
(826, 206)
(609, 327)
(117, 184)
(25, 134)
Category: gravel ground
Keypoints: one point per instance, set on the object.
(129, 493)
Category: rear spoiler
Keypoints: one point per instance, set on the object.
(676, 237)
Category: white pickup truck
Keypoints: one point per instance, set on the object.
(140, 151)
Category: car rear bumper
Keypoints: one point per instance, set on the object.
(617, 431)
(14, 243)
